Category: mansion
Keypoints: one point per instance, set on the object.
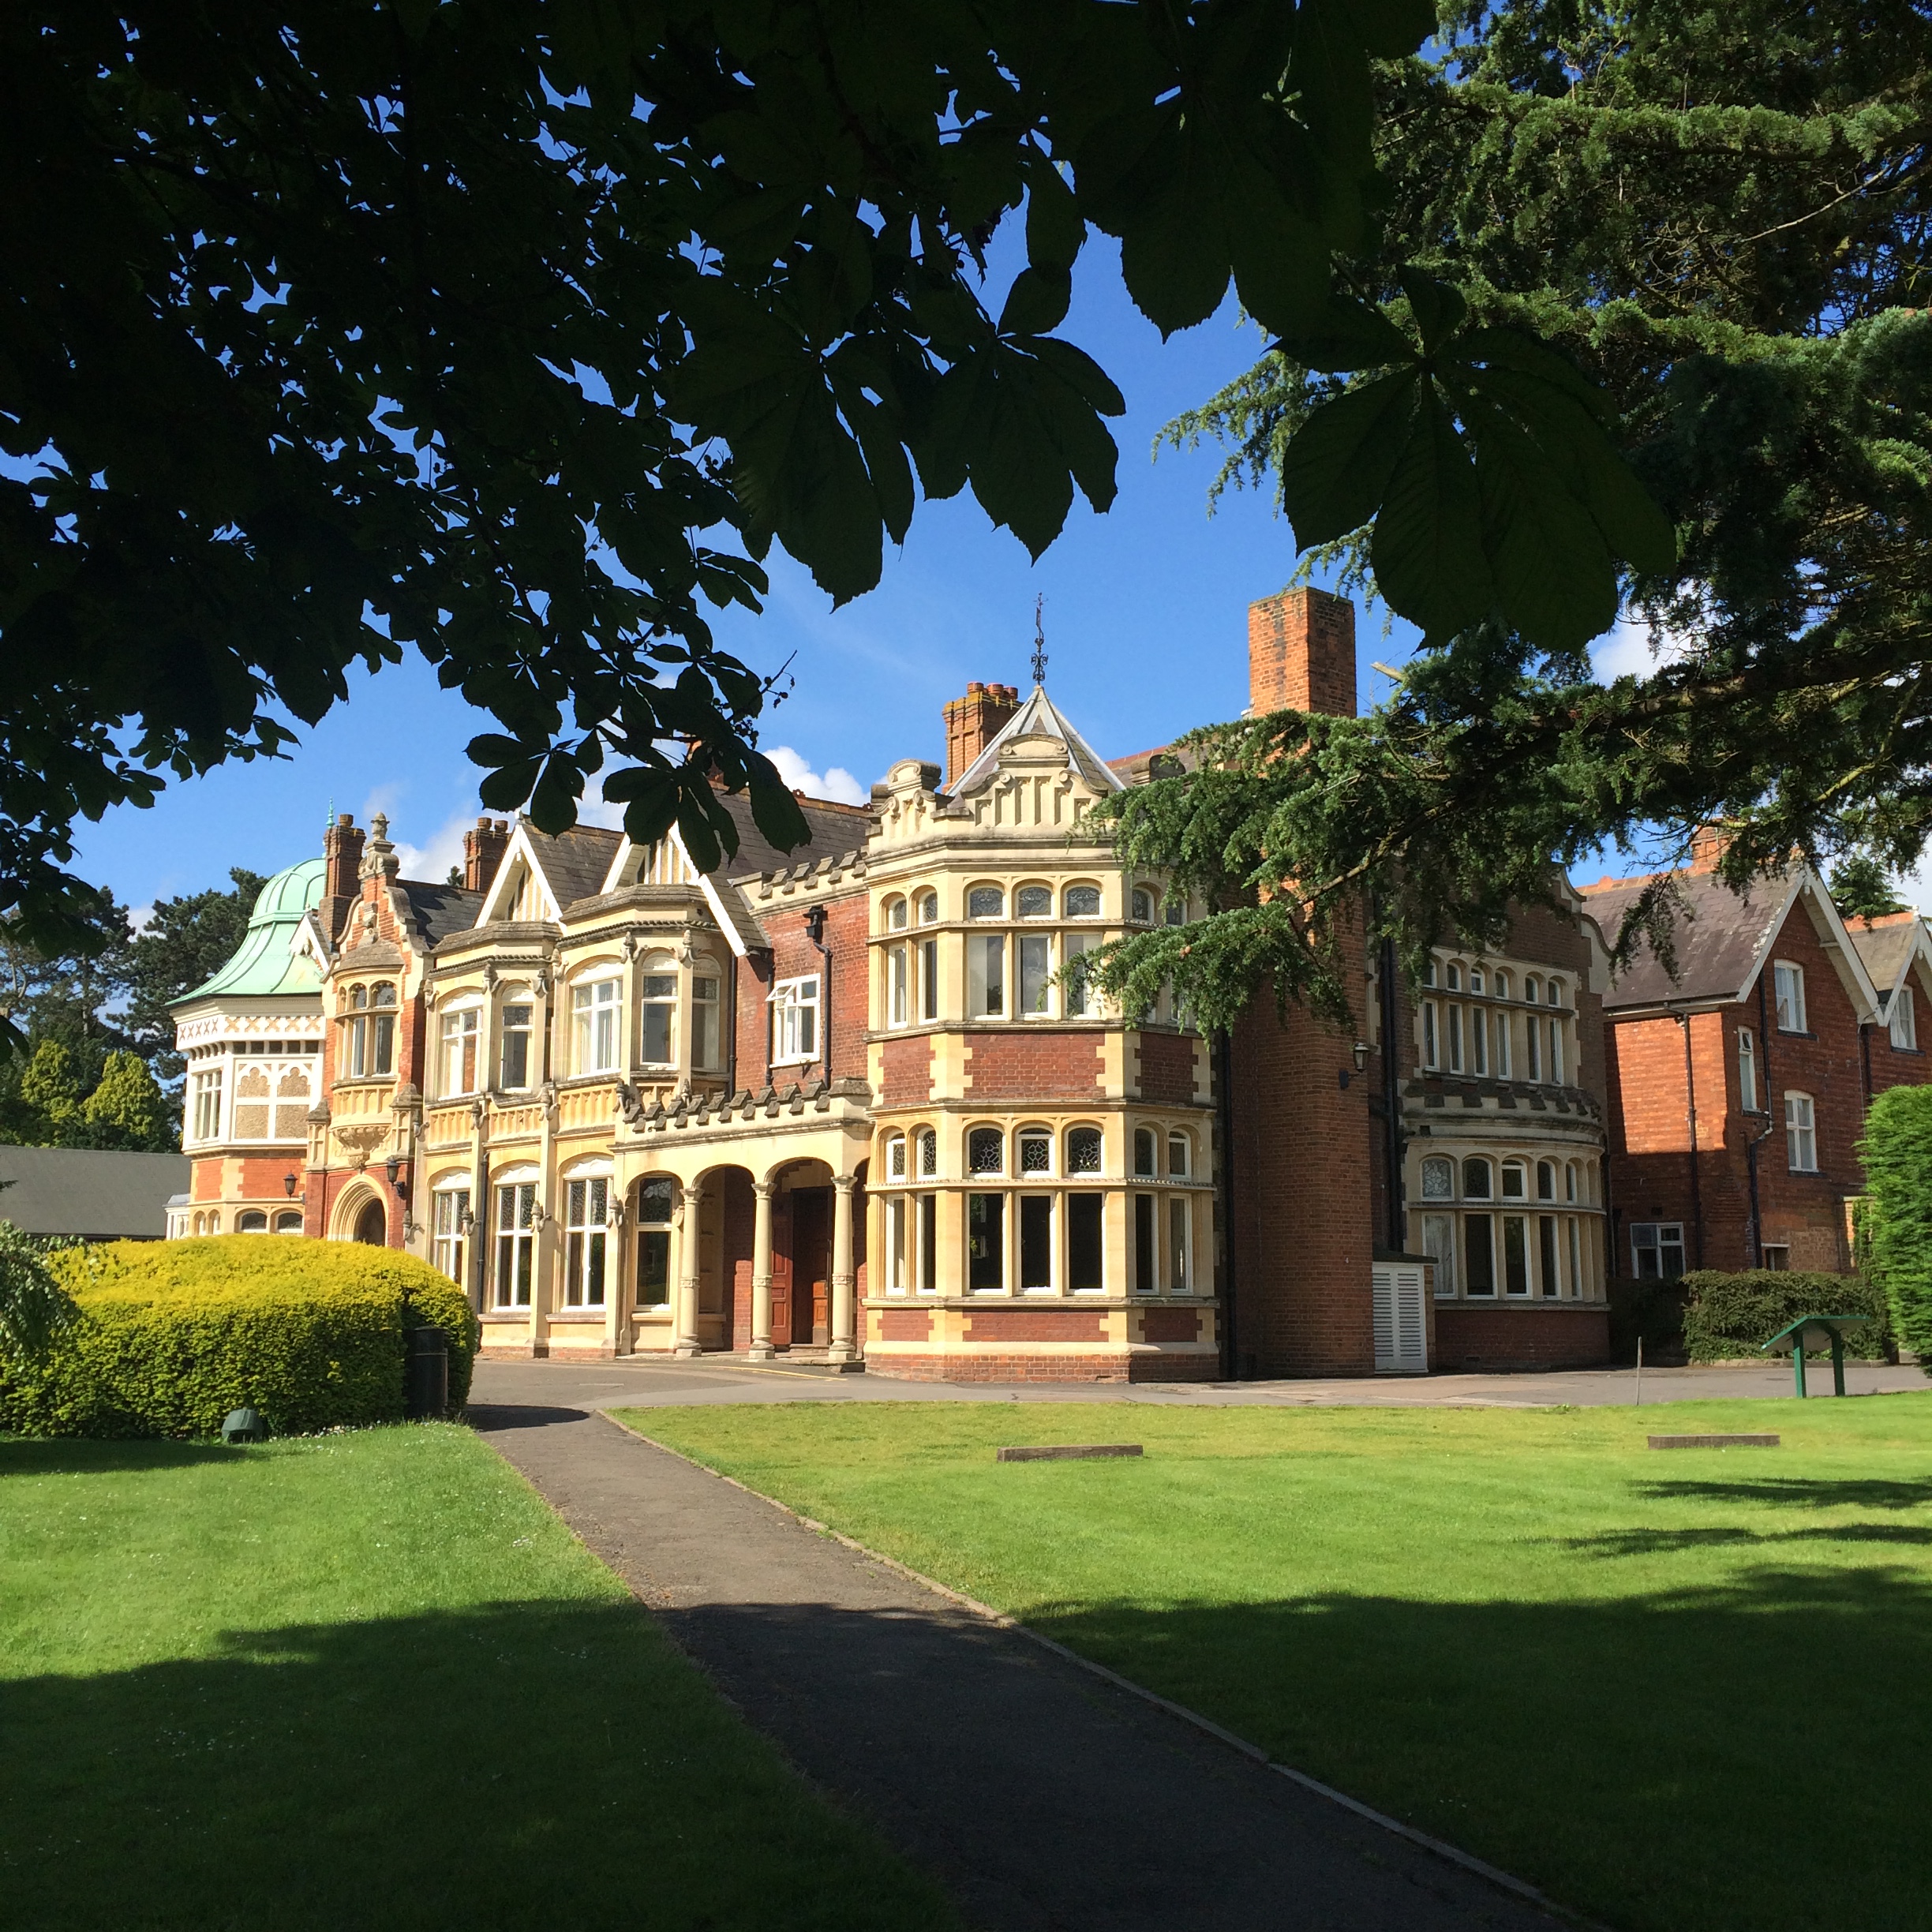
(838, 1102)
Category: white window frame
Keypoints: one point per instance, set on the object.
(587, 1241)
(1788, 981)
(449, 1239)
(458, 1028)
(1033, 955)
(1903, 1008)
(1747, 1070)
(658, 970)
(984, 951)
(795, 1020)
(899, 984)
(524, 1002)
(208, 1104)
(513, 1233)
(596, 1012)
(1658, 1245)
(1800, 1132)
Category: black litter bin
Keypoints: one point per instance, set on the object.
(426, 1375)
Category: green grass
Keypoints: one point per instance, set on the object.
(369, 1680)
(1683, 1690)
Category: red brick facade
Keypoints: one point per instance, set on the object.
(1034, 1064)
(1166, 1072)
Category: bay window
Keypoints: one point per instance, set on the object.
(657, 1020)
(460, 1034)
(986, 976)
(514, 1062)
(707, 1035)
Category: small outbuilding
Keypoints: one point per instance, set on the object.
(84, 1191)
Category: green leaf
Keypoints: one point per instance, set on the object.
(1055, 227)
(1037, 301)
(1281, 260)
(1439, 309)
(1389, 29)
(1336, 468)
(493, 748)
(507, 789)
(1349, 335)
(1427, 548)
(774, 808)
(1556, 580)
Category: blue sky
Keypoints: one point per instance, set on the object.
(1146, 633)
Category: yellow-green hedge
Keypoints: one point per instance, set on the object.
(174, 1334)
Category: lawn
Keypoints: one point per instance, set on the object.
(369, 1680)
(1682, 1690)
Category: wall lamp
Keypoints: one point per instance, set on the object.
(288, 1185)
(391, 1167)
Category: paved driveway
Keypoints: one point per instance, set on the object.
(645, 1381)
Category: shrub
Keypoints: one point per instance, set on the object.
(1730, 1316)
(1895, 1223)
(1649, 1311)
(171, 1336)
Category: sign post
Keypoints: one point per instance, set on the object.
(1817, 1333)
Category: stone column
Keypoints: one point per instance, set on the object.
(844, 1339)
(762, 1349)
(690, 1232)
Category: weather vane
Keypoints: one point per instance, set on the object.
(1039, 642)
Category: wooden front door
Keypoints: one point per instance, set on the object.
(781, 1270)
(811, 1265)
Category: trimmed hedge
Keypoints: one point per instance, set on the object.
(1729, 1317)
(1895, 1222)
(171, 1336)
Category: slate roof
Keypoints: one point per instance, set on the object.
(265, 963)
(1884, 944)
(78, 1191)
(440, 910)
(1719, 937)
(835, 829)
(575, 863)
(1039, 717)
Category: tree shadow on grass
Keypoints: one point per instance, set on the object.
(1796, 1492)
(1656, 1542)
(548, 1764)
(1651, 1758)
(74, 1455)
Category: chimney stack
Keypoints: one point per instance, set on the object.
(483, 852)
(1301, 654)
(973, 722)
(342, 885)
(1708, 845)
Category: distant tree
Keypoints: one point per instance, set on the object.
(1896, 1223)
(50, 1096)
(186, 941)
(128, 1110)
(1862, 889)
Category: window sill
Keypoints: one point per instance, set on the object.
(1794, 1033)
(578, 1317)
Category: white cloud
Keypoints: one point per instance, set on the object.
(837, 783)
(1915, 887)
(141, 918)
(432, 862)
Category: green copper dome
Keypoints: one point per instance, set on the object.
(265, 963)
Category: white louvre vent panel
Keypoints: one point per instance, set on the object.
(1401, 1319)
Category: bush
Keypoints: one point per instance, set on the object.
(1895, 1222)
(1730, 1316)
(170, 1336)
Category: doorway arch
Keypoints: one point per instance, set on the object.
(372, 1224)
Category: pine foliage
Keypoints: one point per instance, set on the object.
(1897, 1222)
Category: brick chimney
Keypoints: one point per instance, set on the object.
(341, 885)
(1301, 654)
(1707, 848)
(973, 722)
(483, 852)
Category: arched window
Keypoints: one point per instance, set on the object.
(1438, 1178)
(929, 908)
(1502, 986)
(1515, 1180)
(252, 1221)
(1083, 902)
(1554, 993)
(985, 1151)
(1036, 1150)
(895, 1157)
(1452, 977)
(1143, 905)
(656, 1018)
(1569, 1180)
(1476, 979)
(1083, 1150)
(449, 1230)
(1033, 902)
(1147, 1152)
(928, 1152)
(1178, 1156)
(382, 1030)
(895, 915)
(1174, 911)
(1475, 1180)
(1533, 988)
(1546, 1180)
(288, 1221)
(986, 902)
